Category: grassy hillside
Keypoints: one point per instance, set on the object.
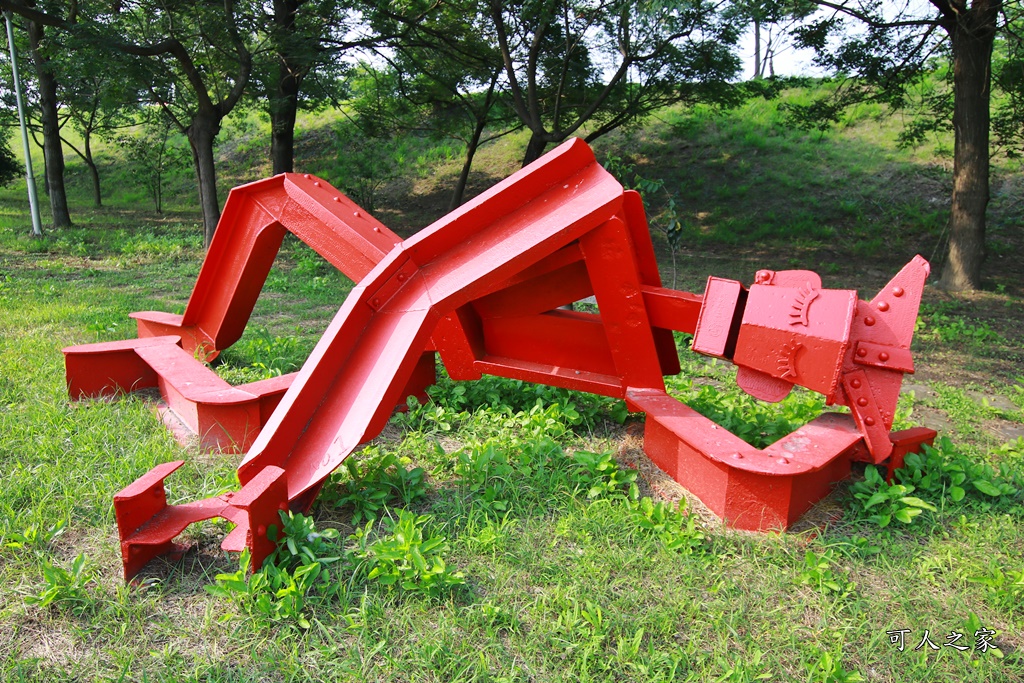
(739, 177)
(554, 550)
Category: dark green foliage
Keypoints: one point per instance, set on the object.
(1008, 79)
(373, 481)
(946, 471)
(940, 477)
(756, 422)
(881, 502)
(297, 573)
(533, 408)
(10, 168)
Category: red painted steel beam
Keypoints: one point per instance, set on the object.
(147, 525)
(617, 287)
(237, 265)
(254, 221)
(582, 345)
(110, 367)
(343, 394)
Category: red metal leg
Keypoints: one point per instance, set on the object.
(907, 441)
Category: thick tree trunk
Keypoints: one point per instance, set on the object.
(53, 152)
(471, 147)
(283, 110)
(201, 134)
(535, 147)
(285, 103)
(972, 41)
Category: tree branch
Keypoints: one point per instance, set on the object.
(506, 55)
(872, 21)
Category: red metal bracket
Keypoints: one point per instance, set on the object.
(147, 525)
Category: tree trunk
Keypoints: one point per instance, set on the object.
(53, 152)
(97, 196)
(94, 172)
(471, 147)
(283, 110)
(972, 40)
(158, 203)
(534, 148)
(757, 49)
(201, 134)
(285, 103)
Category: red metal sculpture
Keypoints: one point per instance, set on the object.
(483, 287)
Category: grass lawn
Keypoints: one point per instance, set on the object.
(507, 532)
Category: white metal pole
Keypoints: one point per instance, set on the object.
(30, 180)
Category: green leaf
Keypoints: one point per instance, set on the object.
(917, 502)
(417, 560)
(881, 520)
(987, 487)
(878, 497)
(906, 515)
(216, 591)
(957, 493)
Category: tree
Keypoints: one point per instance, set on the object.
(772, 19)
(152, 154)
(604, 63)
(302, 65)
(294, 55)
(53, 152)
(898, 46)
(196, 59)
(1008, 75)
(90, 94)
(100, 96)
(443, 77)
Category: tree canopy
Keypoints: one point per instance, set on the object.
(474, 70)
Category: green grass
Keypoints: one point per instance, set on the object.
(547, 554)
